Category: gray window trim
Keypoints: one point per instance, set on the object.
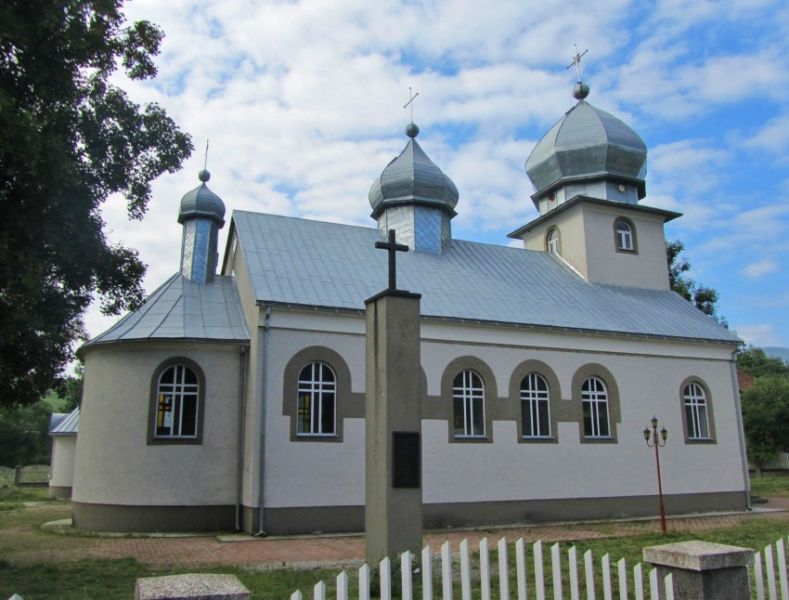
(710, 412)
(347, 404)
(470, 363)
(614, 412)
(153, 404)
(558, 410)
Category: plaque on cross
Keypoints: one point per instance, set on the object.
(392, 247)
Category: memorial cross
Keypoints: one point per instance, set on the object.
(577, 61)
(392, 247)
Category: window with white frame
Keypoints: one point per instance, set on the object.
(624, 236)
(594, 400)
(552, 241)
(696, 413)
(317, 400)
(468, 398)
(534, 406)
(177, 397)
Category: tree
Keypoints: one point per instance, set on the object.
(702, 297)
(24, 434)
(765, 414)
(69, 139)
(756, 363)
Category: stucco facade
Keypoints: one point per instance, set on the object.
(61, 470)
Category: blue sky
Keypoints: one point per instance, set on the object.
(302, 102)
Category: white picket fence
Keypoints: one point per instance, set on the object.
(530, 576)
(476, 578)
(773, 570)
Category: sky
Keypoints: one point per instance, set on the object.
(303, 106)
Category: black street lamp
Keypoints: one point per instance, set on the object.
(655, 441)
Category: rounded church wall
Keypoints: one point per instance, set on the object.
(62, 469)
(123, 472)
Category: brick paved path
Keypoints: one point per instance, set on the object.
(332, 550)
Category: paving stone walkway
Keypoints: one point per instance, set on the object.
(350, 549)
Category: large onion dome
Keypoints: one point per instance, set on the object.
(412, 178)
(587, 144)
(202, 202)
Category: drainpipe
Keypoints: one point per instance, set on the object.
(740, 430)
(263, 383)
(242, 404)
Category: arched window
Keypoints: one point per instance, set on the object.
(468, 399)
(594, 400)
(696, 412)
(177, 403)
(552, 241)
(534, 406)
(625, 235)
(316, 404)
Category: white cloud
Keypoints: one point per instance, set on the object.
(758, 334)
(773, 136)
(760, 268)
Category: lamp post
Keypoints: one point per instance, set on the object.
(653, 440)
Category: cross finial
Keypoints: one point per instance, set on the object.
(577, 62)
(393, 248)
(205, 162)
(411, 98)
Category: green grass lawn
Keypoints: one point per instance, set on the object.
(770, 484)
(21, 572)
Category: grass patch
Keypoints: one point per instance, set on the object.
(770, 484)
(81, 579)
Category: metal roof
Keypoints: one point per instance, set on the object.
(68, 425)
(183, 309)
(202, 202)
(587, 143)
(412, 178)
(668, 215)
(318, 264)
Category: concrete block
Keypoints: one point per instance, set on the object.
(703, 570)
(191, 586)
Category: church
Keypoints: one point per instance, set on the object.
(233, 398)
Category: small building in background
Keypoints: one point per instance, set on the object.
(63, 428)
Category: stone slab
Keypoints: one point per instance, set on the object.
(191, 586)
(698, 556)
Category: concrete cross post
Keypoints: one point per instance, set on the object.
(393, 457)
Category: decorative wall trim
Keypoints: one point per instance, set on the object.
(710, 411)
(348, 404)
(614, 411)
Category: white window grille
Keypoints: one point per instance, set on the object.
(468, 397)
(317, 400)
(594, 398)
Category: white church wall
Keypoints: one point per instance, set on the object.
(647, 373)
(115, 465)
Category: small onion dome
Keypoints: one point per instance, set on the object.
(202, 202)
(587, 144)
(412, 178)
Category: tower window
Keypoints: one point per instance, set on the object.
(625, 235)
(552, 241)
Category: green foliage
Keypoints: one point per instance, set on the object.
(702, 297)
(765, 412)
(756, 363)
(771, 484)
(70, 139)
(24, 434)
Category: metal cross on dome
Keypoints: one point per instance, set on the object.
(411, 98)
(393, 248)
(577, 61)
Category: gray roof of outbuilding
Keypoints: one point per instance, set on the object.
(183, 309)
(587, 143)
(68, 425)
(316, 264)
(412, 178)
